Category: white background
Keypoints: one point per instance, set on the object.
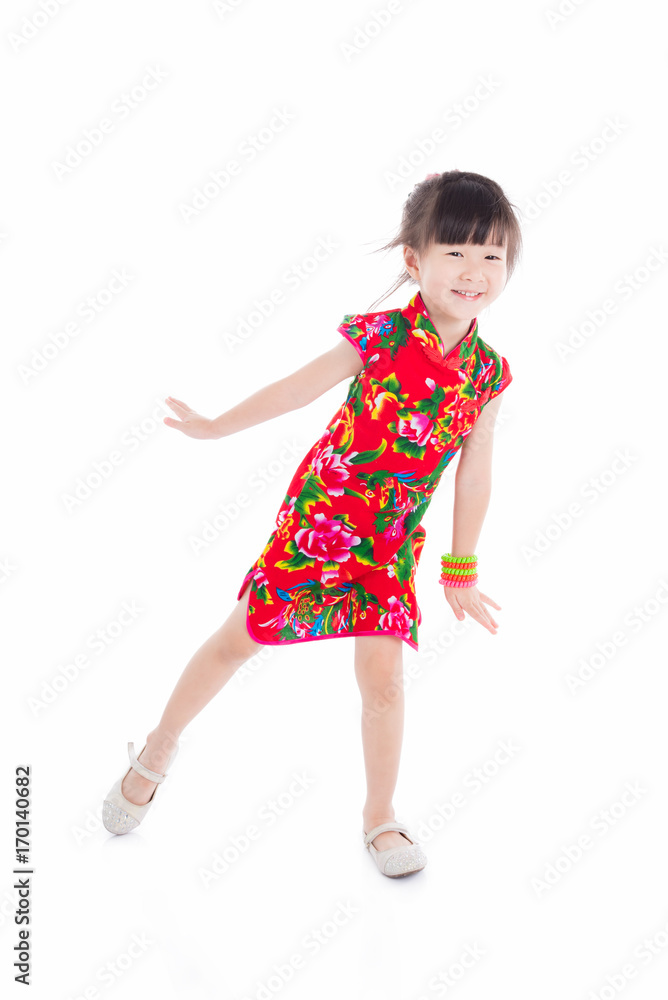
(570, 584)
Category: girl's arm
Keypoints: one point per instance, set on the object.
(473, 482)
(473, 487)
(289, 393)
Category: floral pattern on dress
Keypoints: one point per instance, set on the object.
(348, 536)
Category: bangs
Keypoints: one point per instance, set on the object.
(468, 213)
(456, 207)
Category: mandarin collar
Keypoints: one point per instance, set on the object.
(417, 308)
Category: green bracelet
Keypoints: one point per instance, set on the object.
(459, 571)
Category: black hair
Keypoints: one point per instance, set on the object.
(456, 207)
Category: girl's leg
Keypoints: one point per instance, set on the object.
(209, 669)
(379, 673)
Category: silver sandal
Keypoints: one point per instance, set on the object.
(119, 815)
(396, 861)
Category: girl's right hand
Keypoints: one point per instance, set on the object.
(191, 423)
(470, 600)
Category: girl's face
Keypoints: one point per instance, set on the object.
(446, 270)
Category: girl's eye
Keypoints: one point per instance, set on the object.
(457, 251)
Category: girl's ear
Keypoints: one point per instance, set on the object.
(411, 261)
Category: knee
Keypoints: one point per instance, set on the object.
(380, 676)
(233, 640)
(234, 646)
(240, 649)
(383, 693)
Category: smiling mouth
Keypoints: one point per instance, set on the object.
(467, 295)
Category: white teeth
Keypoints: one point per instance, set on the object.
(470, 295)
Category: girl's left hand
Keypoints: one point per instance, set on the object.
(469, 599)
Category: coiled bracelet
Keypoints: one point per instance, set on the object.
(459, 571)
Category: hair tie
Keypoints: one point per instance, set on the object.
(459, 571)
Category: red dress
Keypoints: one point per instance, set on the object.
(342, 557)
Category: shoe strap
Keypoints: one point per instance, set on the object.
(140, 769)
(384, 828)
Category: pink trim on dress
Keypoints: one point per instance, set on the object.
(312, 638)
(352, 340)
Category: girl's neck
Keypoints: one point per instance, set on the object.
(450, 329)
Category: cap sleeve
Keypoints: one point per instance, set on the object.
(503, 380)
(364, 331)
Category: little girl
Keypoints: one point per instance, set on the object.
(341, 559)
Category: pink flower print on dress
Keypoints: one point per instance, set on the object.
(333, 471)
(261, 577)
(418, 428)
(396, 617)
(327, 540)
(286, 512)
(342, 558)
(395, 529)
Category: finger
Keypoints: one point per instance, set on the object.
(484, 620)
(175, 403)
(172, 423)
(489, 600)
(479, 614)
(484, 612)
(470, 604)
(486, 615)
